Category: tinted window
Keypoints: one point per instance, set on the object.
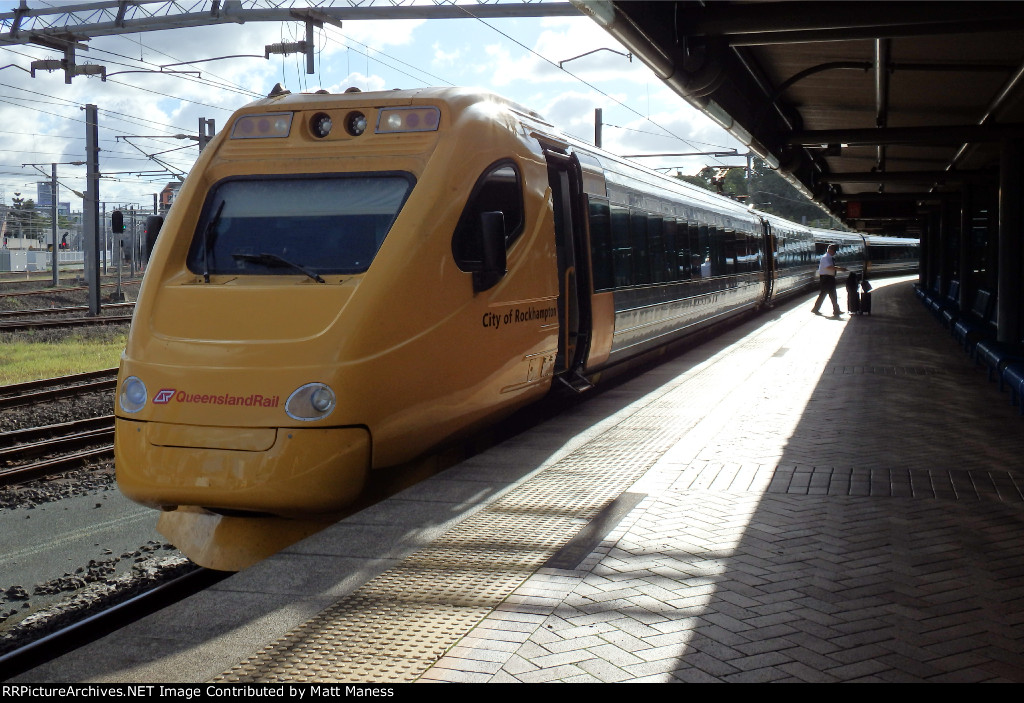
(623, 252)
(328, 225)
(497, 190)
(601, 245)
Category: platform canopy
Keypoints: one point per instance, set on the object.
(878, 110)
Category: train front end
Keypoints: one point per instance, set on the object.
(300, 321)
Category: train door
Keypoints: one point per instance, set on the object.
(769, 246)
(574, 318)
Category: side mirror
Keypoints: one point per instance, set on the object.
(495, 264)
(153, 225)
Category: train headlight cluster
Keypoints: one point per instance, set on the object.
(313, 401)
(273, 125)
(133, 395)
(408, 119)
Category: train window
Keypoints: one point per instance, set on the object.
(672, 272)
(283, 225)
(498, 189)
(716, 250)
(701, 251)
(682, 248)
(601, 245)
(728, 250)
(622, 251)
(656, 242)
(641, 251)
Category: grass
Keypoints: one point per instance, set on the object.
(27, 357)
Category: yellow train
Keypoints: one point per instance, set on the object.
(348, 281)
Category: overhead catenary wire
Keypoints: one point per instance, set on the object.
(578, 78)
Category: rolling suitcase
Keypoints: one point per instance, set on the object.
(853, 303)
(852, 298)
(865, 297)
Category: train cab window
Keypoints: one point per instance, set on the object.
(296, 225)
(499, 189)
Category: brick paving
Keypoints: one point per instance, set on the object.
(844, 504)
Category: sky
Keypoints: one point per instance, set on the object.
(42, 118)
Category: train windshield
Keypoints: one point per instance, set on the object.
(288, 226)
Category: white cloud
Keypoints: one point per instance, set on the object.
(445, 58)
(369, 55)
(358, 80)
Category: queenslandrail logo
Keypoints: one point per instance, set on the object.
(166, 395)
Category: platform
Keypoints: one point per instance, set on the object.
(802, 499)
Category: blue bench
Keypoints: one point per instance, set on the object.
(1013, 376)
(947, 310)
(995, 356)
(925, 294)
(977, 323)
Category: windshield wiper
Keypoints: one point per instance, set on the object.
(275, 260)
(207, 242)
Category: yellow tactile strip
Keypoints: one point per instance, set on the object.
(397, 625)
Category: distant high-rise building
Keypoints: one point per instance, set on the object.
(44, 195)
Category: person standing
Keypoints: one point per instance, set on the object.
(827, 270)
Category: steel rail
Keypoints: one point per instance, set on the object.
(60, 311)
(52, 445)
(32, 434)
(54, 291)
(101, 624)
(45, 390)
(68, 462)
(65, 322)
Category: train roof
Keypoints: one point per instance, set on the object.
(616, 169)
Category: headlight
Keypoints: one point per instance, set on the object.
(355, 123)
(321, 125)
(313, 401)
(133, 395)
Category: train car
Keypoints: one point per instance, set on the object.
(346, 282)
(794, 261)
(851, 248)
(891, 255)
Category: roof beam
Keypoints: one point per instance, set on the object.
(906, 135)
(113, 17)
(907, 176)
(893, 197)
(755, 24)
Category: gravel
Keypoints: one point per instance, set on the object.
(64, 410)
(91, 590)
(58, 298)
(31, 611)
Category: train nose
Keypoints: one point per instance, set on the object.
(290, 472)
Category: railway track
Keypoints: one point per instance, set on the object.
(50, 312)
(113, 617)
(64, 322)
(66, 289)
(40, 451)
(35, 452)
(45, 390)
